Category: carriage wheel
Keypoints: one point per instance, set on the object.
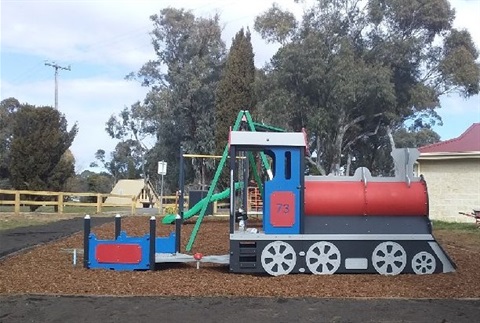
(424, 263)
(323, 258)
(278, 258)
(389, 258)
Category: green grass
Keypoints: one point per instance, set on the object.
(12, 221)
(455, 226)
(46, 214)
(66, 209)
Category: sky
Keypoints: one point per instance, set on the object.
(102, 41)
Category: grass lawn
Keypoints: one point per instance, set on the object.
(456, 226)
(45, 214)
(10, 220)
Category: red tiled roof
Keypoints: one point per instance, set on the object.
(467, 142)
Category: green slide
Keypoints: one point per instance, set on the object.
(170, 218)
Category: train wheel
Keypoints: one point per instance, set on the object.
(389, 258)
(323, 258)
(278, 258)
(423, 263)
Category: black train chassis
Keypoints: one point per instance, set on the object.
(386, 254)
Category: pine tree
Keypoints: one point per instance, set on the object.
(39, 155)
(235, 91)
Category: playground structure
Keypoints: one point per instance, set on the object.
(137, 253)
(311, 224)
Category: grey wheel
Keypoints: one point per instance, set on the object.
(323, 258)
(278, 258)
(389, 258)
(424, 263)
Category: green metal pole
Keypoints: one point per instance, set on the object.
(218, 172)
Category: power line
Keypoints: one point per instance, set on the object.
(26, 73)
(57, 67)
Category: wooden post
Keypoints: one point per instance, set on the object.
(60, 202)
(17, 203)
(99, 203)
(134, 205)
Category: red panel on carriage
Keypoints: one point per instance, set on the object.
(118, 253)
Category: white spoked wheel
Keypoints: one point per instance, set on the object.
(278, 258)
(323, 258)
(424, 263)
(389, 258)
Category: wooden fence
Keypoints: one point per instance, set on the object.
(60, 200)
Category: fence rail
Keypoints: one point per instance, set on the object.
(59, 200)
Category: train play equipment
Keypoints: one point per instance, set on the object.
(310, 224)
(334, 224)
(243, 122)
(142, 253)
(126, 253)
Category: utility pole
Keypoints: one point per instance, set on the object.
(57, 67)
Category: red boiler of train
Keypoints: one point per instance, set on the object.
(344, 198)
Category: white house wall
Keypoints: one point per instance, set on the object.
(453, 186)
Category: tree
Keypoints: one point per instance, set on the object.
(125, 161)
(89, 181)
(183, 79)
(132, 127)
(351, 73)
(276, 25)
(39, 155)
(8, 107)
(235, 90)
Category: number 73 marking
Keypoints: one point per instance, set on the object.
(283, 208)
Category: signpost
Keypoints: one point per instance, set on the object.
(162, 171)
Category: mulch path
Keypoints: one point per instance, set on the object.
(48, 269)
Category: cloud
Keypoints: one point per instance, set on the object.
(89, 102)
(466, 17)
(110, 32)
(92, 31)
(104, 40)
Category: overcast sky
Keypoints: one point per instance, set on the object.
(103, 40)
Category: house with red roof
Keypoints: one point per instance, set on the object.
(451, 169)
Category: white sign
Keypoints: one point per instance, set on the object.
(162, 168)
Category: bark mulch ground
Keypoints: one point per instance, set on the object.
(48, 269)
(38, 283)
